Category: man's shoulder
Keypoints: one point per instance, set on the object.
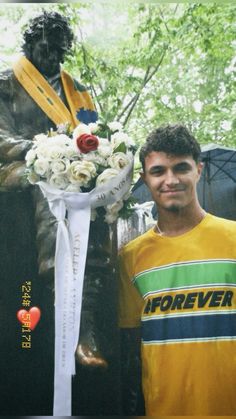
(222, 221)
(222, 225)
(136, 243)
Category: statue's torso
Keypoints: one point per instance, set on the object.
(28, 118)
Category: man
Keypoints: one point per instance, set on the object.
(178, 282)
(35, 97)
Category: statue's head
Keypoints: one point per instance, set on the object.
(46, 41)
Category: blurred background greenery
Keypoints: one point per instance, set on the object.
(147, 64)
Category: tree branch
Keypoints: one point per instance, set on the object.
(135, 99)
(91, 70)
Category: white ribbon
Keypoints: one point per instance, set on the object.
(73, 212)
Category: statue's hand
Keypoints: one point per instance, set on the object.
(13, 177)
(90, 357)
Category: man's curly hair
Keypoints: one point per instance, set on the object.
(52, 25)
(174, 140)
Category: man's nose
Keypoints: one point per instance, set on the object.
(171, 178)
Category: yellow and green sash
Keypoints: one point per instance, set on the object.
(81, 107)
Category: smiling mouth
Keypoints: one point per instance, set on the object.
(174, 191)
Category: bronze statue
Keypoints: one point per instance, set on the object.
(27, 227)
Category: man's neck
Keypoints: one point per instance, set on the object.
(173, 223)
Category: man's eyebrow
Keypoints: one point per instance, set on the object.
(182, 164)
(156, 168)
(159, 168)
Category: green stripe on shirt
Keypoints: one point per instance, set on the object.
(186, 274)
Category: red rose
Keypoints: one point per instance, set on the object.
(87, 143)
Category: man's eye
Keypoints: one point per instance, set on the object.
(182, 168)
(157, 172)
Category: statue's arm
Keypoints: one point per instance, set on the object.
(131, 372)
(13, 147)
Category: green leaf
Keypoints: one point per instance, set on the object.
(121, 148)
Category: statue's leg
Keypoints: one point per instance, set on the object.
(98, 341)
(99, 274)
(97, 382)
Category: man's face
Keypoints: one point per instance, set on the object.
(172, 180)
(47, 56)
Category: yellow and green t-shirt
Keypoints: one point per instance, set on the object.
(182, 291)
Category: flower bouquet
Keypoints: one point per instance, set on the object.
(82, 174)
(83, 162)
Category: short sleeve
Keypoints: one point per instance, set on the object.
(130, 301)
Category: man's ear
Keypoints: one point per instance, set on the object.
(142, 175)
(199, 169)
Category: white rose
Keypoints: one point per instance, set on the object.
(121, 137)
(73, 188)
(104, 142)
(81, 129)
(59, 166)
(42, 151)
(81, 172)
(118, 160)
(30, 157)
(62, 128)
(58, 181)
(72, 152)
(94, 127)
(55, 152)
(94, 157)
(41, 167)
(105, 148)
(39, 138)
(60, 140)
(106, 176)
(115, 126)
(91, 156)
(112, 211)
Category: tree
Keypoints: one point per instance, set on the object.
(151, 64)
(176, 64)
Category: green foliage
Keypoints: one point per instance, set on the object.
(148, 63)
(177, 64)
(121, 148)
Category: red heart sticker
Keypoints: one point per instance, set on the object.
(29, 318)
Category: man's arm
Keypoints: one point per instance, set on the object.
(130, 308)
